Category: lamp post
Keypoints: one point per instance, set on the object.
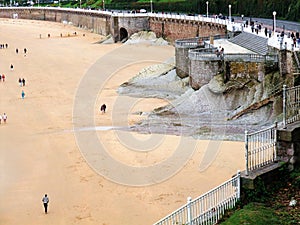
(274, 22)
(207, 9)
(229, 13)
(151, 6)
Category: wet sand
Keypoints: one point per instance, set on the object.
(40, 153)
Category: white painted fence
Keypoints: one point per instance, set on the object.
(291, 105)
(260, 148)
(208, 208)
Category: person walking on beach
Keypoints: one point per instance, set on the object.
(11, 67)
(4, 117)
(17, 50)
(23, 94)
(20, 82)
(45, 201)
(23, 82)
(0, 119)
(103, 108)
(3, 77)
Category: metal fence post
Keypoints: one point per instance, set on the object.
(238, 184)
(284, 106)
(189, 210)
(275, 140)
(246, 153)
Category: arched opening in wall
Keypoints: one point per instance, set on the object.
(123, 34)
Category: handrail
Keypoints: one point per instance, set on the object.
(201, 208)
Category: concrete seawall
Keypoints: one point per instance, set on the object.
(118, 25)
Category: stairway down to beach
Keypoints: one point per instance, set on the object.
(252, 42)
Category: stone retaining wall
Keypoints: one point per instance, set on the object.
(173, 29)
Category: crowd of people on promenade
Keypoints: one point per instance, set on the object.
(283, 37)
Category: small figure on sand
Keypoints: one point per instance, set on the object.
(11, 67)
(103, 108)
(45, 201)
(17, 50)
(4, 117)
(0, 119)
(3, 77)
(23, 94)
(23, 82)
(20, 82)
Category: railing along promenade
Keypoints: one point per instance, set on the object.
(291, 105)
(207, 55)
(197, 41)
(207, 208)
(118, 13)
(260, 148)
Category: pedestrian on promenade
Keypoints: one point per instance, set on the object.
(4, 117)
(45, 201)
(266, 32)
(23, 94)
(25, 51)
(0, 77)
(3, 77)
(20, 81)
(11, 67)
(103, 108)
(17, 50)
(222, 54)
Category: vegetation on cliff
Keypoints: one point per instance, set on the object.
(272, 205)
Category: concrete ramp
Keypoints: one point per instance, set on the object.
(252, 42)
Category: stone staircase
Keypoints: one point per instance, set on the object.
(252, 42)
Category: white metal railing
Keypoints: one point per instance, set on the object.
(240, 57)
(291, 105)
(260, 148)
(207, 208)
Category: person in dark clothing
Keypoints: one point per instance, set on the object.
(266, 32)
(45, 201)
(103, 108)
(23, 82)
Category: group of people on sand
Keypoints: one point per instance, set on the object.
(3, 46)
(22, 82)
(2, 77)
(3, 117)
(24, 50)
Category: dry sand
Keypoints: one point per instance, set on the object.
(39, 152)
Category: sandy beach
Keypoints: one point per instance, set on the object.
(40, 152)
